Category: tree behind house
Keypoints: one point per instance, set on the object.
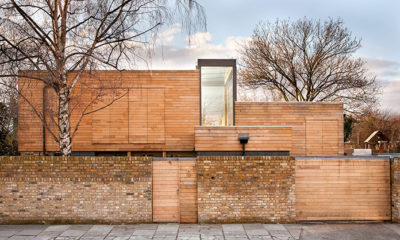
(308, 61)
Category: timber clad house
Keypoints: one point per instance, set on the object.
(180, 113)
(178, 138)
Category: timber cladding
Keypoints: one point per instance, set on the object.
(37, 189)
(246, 189)
(340, 188)
(226, 138)
(317, 128)
(149, 111)
(175, 190)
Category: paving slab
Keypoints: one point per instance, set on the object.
(101, 228)
(236, 237)
(189, 228)
(21, 238)
(164, 238)
(120, 233)
(72, 233)
(29, 232)
(188, 237)
(47, 235)
(211, 232)
(260, 237)
(394, 227)
(255, 230)
(92, 237)
(116, 238)
(8, 233)
(173, 228)
(83, 227)
(140, 237)
(280, 233)
(294, 230)
(212, 237)
(348, 232)
(166, 231)
(147, 226)
(67, 238)
(9, 227)
(274, 227)
(143, 232)
(54, 228)
(234, 231)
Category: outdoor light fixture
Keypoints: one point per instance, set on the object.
(243, 138)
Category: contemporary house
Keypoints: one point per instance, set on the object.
(178, 113)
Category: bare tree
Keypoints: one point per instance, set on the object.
(64, 39)
(307, 60)
(373, 119)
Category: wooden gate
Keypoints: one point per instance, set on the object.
(174, 190)
(339, 188)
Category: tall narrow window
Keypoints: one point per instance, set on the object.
(217, 95)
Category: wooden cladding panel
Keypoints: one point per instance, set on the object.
(226, 138)
(342, 189)
(138, 115)
(156, 115)
(321, 137)
(180, 108)
(295, 115)
(110, 125)
(188, 191)
(51, 118)
(29, 125)
(175, 191)
(165, 191)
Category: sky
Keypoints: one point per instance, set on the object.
(229, 22)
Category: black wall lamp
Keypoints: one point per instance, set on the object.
(243, 138)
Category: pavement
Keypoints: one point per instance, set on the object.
(342, 231)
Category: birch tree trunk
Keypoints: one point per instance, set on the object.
(64, 122)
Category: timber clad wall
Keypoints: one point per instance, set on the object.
(75, 189)
(340, 188)
(395, 181)
(226, 138)
(159, 110)
(246, 189)
(317, 128)
(153, 111)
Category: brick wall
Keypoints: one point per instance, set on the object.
(246, 189)
(395, 181)
(36, 189)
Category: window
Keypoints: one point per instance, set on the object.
(217, 95)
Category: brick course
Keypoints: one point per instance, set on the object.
(37, 189)
(395, 181)
(246, 189)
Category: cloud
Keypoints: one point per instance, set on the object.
(383, 68)
(388, 75)
(168, 36)
(390, 98)
(170, 51)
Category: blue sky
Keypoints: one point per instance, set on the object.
(229, 22)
